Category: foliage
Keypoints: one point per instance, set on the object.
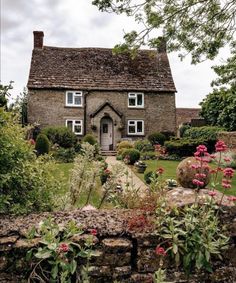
(123, 145)
(205, 132)
(84, 174)
(148, 176)
(148, 155)
(58, 256)
(157, 138)
(186, 146)
(62, 136)
(90, 139)
(219, 108)
(26, 182)
(183, 128)
(132, 154)
(4, 94)
(42, 144)
(65, 155)
(143, 145)
(21, 106)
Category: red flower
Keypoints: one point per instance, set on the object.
(212, 194)
(220, 146)
(160, 170)
(201, 148)
(32, 141)
(107, 171)
(160, 251)
(63, 247)
(213, 171)
(228, 172)
(198, 183)
(93, 232)
(232, 198)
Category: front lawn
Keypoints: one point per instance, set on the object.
(170, 172)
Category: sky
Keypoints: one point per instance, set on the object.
(77, 23)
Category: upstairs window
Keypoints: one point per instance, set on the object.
(76, 126)
(74, 98)
(135, 100)
(136, 127)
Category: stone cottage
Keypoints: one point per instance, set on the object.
(91, 90)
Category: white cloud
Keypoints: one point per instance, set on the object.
(77, 23)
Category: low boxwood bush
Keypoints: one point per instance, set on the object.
(148, 177)
(183, 129)
(157, 138)
(123, 145)
(42, 144)
(65, 155)
(133, 155)
(143, 145)
(89, 138)
(206, 132)
(62, 136)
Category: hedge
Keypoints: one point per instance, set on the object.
(206, 132)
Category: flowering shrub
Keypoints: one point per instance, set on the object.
(57, 258)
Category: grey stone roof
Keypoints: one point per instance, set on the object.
(99, 69)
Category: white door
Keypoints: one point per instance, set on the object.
(106, 134)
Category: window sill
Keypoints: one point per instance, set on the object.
(73, 106)
(136, 107)
(136, 135)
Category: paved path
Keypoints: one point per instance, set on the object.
(133, 180)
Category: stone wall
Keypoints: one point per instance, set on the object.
(185, 115)
(47, 107)
(126, 253)
(229, 138)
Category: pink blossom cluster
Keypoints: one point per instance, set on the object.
(160, 251)
(220, 146)
(63, 247)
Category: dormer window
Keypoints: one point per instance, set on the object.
(135, 100)
(74, 98)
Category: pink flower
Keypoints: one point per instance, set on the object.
(160, 251)
(213, 171)
(220, 146)
(227, 159)
(32, 141)
(195, 166)
(160, 170)
(212, 156)
(201, 148)
(200, 176)
(226, 184)
(231, 198)
(211, 193)
(107, 171)
(198, 183)
(228, 172)
(93, 232)
(63, 247)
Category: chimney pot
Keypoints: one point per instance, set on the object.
(38, 39)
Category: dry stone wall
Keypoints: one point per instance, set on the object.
(229, 138)
(126, 253)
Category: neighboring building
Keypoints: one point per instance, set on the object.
(91, 90)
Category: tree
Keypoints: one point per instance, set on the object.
(196, 27)
(219, 108)
(4, 94)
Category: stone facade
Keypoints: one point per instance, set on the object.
(229, 138)
(123, 254)
(47, 107)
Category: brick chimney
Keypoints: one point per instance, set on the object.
(162, 45)
(38, 39)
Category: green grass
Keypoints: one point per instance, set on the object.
(170, 172)
(63, 171)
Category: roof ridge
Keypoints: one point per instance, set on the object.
(89, 48)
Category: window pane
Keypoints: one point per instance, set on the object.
(131, 122)
(139, 126)
(140, 99)
(78, 100)
(105, 128)
(78, 129)
(132, 101)
(69, 98)
(69, 125)
(131, 129)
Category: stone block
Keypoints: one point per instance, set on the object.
(116, 245)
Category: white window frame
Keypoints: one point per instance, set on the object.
(74, 94)
(136, 128)
(74, 123)
(135, 96)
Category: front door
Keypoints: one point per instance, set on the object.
(106, 134)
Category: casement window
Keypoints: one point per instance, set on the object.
(136, 127)
(76, 126)
(135, 100)
(74, 98)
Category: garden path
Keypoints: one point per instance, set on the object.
(134, 181)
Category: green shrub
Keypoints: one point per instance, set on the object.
(133, 154)
(89, 138)
(123, 145)
(65, 155)
(157, 138)
(186, 147)
(42, 144)
(63, 136)
(148, 177)
(148, 155)
(168, 134)
(206, 132)
(143, 145)
(183, 129)
(27, 183)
